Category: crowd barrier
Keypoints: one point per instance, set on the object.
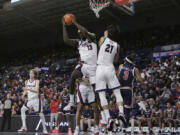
(34, 124)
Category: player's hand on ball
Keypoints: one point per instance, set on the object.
(73, 19)
(62, 20)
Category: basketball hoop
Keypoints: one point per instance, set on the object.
(97, 5)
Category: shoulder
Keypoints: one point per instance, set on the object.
(26, 81)
(101, 40)
(120, 66)
(37, 81)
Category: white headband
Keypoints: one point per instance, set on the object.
(128, 60)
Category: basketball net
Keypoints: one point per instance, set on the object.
(97, 5)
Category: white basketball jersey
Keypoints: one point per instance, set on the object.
(31, 85)
(88, 52)
(107, 52)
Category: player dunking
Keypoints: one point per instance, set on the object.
(88, 57)
(31, 89)
(106, 74)
(127, 72)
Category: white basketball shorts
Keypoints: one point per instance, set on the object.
(106, 76)
(88, 71)
(85, 94)
(35, 105)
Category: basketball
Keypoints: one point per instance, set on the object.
(68, 19)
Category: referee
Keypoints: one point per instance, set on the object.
(6, 107)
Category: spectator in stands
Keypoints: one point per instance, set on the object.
(175, 84)
(165, 92)
(53, 107)
(14, 108)
(177, 115)
(141, 103)
(156, 116)
(143, 74)
(167, 98)
(135, 114)
(152, 95)
(168, 117)
(151, 103)
(87, 118)
(46, 109)
(146, 117)
(172, 76)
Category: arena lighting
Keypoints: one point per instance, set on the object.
(13, 1)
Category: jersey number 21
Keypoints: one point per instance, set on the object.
(109, 48)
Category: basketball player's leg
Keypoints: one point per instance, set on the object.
(92, 101)
(113, 84)
(78, 115)
(52, 117)
(75, 75)
(68, 118)
(43, 122)
(59, 118)
(96, 116)
(104, 104)
(100, 88)
(127, 100)
(91, 71)
(38, 108)
(81, 99)
(23, 118)
(139, 124)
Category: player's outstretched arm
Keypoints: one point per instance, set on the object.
(82, 29)
(139, 78)
(116, 58)
(101, 40)
(67, 40)
(119, 69)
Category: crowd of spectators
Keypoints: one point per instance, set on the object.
(162, 77)
(150, 37)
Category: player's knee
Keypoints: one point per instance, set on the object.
(41, 114)
(118, 95)
(95, 107)
(103, 100)
(79, 107)
(23, 110)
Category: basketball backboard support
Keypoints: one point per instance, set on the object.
(128, 8)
